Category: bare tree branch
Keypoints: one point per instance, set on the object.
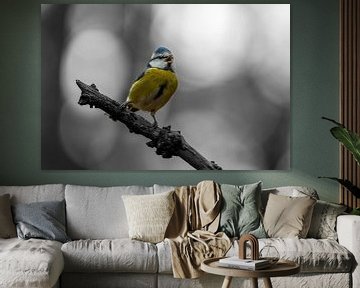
(168, 143)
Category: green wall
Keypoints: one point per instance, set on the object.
(314, 93)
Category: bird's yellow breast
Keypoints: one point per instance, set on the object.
(153, 90)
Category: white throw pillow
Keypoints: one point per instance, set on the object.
(149, 215)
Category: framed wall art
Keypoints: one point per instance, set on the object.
(216, 77)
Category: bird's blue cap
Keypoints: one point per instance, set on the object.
(162, 50)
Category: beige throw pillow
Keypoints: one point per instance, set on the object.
(148, 215)
(288, 217)
(7, 226)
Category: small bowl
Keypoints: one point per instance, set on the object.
(270, 253)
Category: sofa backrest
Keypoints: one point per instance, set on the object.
(98, 212)
(36, 193)
(293, 191)
(162, 188)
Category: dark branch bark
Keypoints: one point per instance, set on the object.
(167, 143)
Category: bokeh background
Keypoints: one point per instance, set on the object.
(233, 100)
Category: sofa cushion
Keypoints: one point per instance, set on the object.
(240, 210)
(164, 257)
(43, 220)
(7, 226)
(149, 215)
(291, 191)
(30, 263)
(287, 216)
(98, 213)
(116, 255)
(36, 193)
(313, 255)
(109, 280)
(323, 222)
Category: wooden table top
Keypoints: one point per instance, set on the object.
(281, 268)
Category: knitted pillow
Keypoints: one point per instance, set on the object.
(148, 215)
(323, 222)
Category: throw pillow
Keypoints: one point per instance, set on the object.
(149, 215)
(323, 223)
(293, 191)
(44, 220)
(7, 226)
(240, 213)
(288, 217)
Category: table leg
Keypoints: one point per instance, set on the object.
(227, 282)
(254, 282)
(267, 283)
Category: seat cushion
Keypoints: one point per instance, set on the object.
(313, 255)
(108, 280)
(164, 257)
(30, 263)
(117, 255)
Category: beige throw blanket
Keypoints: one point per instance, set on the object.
(191, 231)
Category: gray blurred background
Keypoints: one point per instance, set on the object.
(233, 100)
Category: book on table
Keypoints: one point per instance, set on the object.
(249, 264)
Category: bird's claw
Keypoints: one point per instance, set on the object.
(154, 124)
(123, 106)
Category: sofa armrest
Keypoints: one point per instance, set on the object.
(348, 230)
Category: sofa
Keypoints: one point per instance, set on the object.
(101, 254)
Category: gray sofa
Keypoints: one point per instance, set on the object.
(101, 254)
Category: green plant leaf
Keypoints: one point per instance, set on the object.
(355, 211)
(348, 138)
(347, 184)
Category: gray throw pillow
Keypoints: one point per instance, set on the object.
(240, 213)
(44, 220)
(323, 222)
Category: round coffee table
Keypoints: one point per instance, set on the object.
(281, 268)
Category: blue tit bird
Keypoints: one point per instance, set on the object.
(155, 86)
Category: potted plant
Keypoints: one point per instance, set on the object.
(351, 142)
